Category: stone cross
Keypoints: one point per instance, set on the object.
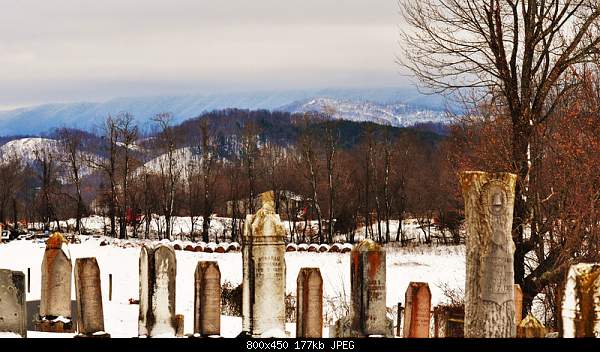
(417, 311)
(581, 302)
(489, 293)
(90, 316)
(56, 279)
(158, 270)
(367, 294)
(309, 303)
(13, 306)
(207, 299)
(263, 286)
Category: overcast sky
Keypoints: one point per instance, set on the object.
(75, 50)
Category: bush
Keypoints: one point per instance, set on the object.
(231, 299)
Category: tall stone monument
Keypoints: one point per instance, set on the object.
(581, 302)
(263, 257)
(417, 313)
(90, 316)
(158, 270)
(309, 303)
(207, 299)
(13, 306)
(55, 300)
(489, 293)
(367, 297)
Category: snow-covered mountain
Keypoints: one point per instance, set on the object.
(377, 105)
(393, 114)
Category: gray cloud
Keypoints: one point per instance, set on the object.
(69, 50)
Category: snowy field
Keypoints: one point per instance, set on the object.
(439, 266)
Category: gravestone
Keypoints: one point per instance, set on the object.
(449, 321)
(55, 300)
(530, 327)
(367, 294)
(309, 303)
(417, 311)
(489, 292)
(263, 257)
(13, 307)
(518, 304)
(90, 316)
(581, 302)
(158, 270)
(207, 299)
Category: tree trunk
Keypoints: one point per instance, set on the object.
(489, 292)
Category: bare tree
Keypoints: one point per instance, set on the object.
(11, 171)
(517, 52)
(46, 165)
(208, 151)
(72, 143)
(169, 166)
(127, 134)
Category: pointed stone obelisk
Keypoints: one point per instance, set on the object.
(263, 257)
(489, 293)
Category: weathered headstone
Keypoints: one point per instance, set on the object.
(518, 304)
(207, 299)
(417, 313)
(581, 302)
(13, 307)
(530, 327)
(158, 270)
(263, 257)
(367, 298)
(90, 316)
(309, 303)
(449, 321)
(55, 301)
(489, 293)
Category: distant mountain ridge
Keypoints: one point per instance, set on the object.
(395, 106)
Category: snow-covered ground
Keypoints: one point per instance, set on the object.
(182, 226)
(439, 266)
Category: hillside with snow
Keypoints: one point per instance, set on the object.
(393, 114)
(29, 151)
